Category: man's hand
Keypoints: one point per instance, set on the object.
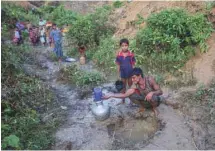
(149, 96)
(106, 97)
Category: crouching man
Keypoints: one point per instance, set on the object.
(144, 91)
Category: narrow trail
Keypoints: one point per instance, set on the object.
(125, 129)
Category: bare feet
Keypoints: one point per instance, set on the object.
(156, 112)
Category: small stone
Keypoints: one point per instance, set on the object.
(63, 107)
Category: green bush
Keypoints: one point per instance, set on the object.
(24, 98)
(139, 20)
(60, 15)
(105, 54)
(89, 29)
(12, 11)
(82, 78)
(88, 78)
(169, 40)
(209, 5)
(11, 141)
(117, 4)
(72, 52)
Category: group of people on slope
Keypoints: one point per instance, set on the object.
(46, 33)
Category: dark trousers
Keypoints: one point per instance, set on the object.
(140, 100)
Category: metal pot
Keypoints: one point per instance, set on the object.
(100, 111)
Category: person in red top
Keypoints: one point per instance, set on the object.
(125, 61)
(32, 36)
(82, 50)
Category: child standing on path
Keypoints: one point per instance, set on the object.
(125, 61)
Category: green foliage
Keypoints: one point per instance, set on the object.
(89, 29)
(47, 9)
(105, 54)
(24, 98)
(210, 5)
(168, 40)
(87, 78)
(11, 141)
(12, 11)
(59, 15)
(140, 19)
(138, 54)
(117, 4)
(73, 52)
(83, 78)
(10, 14)
(159, 79)
(27, 126)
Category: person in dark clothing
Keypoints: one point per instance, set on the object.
(144, 91)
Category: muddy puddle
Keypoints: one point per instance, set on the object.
(130, 133)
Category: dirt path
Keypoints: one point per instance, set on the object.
(125, 129)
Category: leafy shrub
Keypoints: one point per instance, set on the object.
(139, 20)
(47, 9)
(24, 98)
(60, 15)
(72, 52)
(11, 141)
(12, 11)
(81, 77)
(105, 54)
(89, 29)
(117, 4)
(210, 5)
(88, 78)
(169, 40)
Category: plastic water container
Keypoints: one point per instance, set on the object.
(97, 94)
